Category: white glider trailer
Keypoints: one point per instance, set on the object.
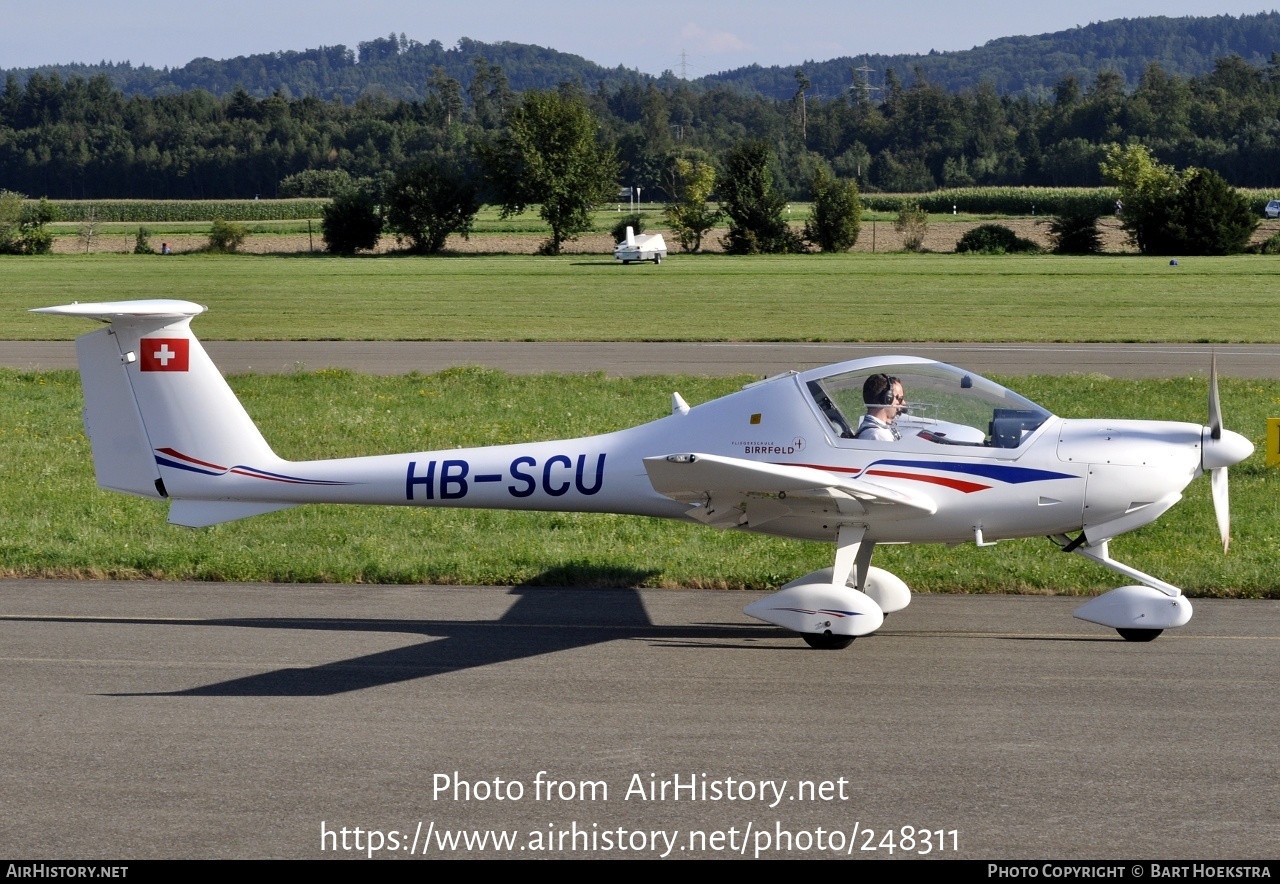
(645, 247)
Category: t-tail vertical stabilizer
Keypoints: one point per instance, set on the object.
(153, 396)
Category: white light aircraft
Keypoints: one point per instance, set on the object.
(975, 463)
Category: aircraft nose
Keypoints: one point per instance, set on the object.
(1227, 450)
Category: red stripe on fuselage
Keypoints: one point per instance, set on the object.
(180, 456)
(818, 466)
(955, 484)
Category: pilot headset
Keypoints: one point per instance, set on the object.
(886, 398)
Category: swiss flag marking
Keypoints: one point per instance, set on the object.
(166, 354)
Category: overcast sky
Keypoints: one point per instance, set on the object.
(710, 35)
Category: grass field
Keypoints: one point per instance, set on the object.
(55, 521)
(488, 221)
(897, 297)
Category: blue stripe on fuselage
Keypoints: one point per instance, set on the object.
(998, 472)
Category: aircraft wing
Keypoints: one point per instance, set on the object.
(729, 491)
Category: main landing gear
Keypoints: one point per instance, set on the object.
(832, 607)
(825, 641)
(1139, 635)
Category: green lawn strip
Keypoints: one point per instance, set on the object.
(119, 229)
(56, 522)
(708, 297)
(487, 222)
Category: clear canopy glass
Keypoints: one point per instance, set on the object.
(944, 405)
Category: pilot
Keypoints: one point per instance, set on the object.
(884, 398)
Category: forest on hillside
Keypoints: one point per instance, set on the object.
(1035, 65)
(399, 67)
(78, 138)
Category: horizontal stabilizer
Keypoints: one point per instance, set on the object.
(108, 311)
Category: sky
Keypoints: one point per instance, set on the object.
(695, 38)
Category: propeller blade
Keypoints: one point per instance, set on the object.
(1221, 449)
(1221, 504)
(1215, 405)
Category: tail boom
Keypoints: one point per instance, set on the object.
(163, 423)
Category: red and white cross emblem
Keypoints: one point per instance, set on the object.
(165, 354)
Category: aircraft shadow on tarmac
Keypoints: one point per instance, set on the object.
(543, 620)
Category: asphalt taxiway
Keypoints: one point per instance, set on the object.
(225, 720)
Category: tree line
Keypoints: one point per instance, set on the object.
(1033, 65)
(83, 139)
(399, 67)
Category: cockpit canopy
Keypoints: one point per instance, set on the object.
(944, 405)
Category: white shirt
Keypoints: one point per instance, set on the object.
(877, 430)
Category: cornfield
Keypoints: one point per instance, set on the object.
(152, 211)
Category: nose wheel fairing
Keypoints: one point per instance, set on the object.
(1138, 613)
(1137, 610)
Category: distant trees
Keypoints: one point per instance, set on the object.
(351, 223)
(913, 223)
(1075, 233)
(836, 217)
(22, 226)
(691, 215)
(634, 220)
(550, 154)
(1167, 212)
(227, 236)
(491, 96)
(753, 204)
(1016, 66)
(1147, 191)
(994, 239)
(71, 137)
(142, 242)
(430, 200)
(445, 97)
(315, 183)
(802, 85)
(1209, 217)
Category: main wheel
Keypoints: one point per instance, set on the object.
(1139, 635)
(826, 641)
